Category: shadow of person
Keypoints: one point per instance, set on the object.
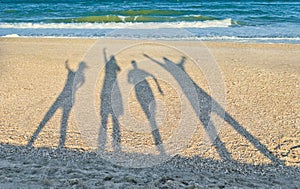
(146, 99)
(204, 111)
(110, 92)
(64, 101)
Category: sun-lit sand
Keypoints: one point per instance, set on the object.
(260, 123)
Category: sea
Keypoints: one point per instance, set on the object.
(208, 20)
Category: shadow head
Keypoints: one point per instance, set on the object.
(82, 66)
(134, 64)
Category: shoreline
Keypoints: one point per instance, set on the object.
(291, 41)
(208, 42)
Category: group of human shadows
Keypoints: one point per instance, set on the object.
(139, 77)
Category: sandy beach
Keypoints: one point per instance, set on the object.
(44, 143)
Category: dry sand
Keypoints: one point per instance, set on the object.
(258, 144)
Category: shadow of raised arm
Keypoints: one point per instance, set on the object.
(204, 113)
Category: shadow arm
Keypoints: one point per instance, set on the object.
(129, 79)
(67, 65)
(118, 67)
(182, 61)
(154, 78)
(104, 54)
(80, 83)
(157, 84)
(152, 59)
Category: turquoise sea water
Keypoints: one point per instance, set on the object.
(267, 21)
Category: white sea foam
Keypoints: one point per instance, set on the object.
(249, 39)
(295, 40)
(127, 25)
(12, 35)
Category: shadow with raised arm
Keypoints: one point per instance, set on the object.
(64, 101)
(110, 92)
(145, 97)
(205, 109)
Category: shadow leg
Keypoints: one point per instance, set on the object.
(63, 126)
(116, 135)
(155, 133)
(258, 145)
(215, 139)
(102, 139)
(46, 118)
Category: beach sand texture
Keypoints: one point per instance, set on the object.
(260, 130)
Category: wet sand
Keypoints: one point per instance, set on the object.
(256, 145)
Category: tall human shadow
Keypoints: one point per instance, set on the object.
(110, 92)
(63, 101)
(204, 111)
(145, 96)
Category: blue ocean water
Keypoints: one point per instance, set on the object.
(250, 20)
